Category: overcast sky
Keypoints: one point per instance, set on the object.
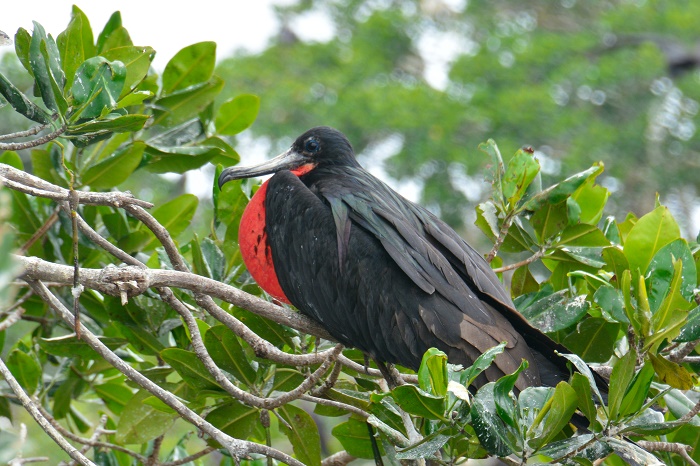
(167, 27)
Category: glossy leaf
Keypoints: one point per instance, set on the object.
(652, 232)
(116, 169)
(75, 44)
(582, 387)
(140, 338)
(592, 199)
(235, 419)
(184, 104)
(192, 65)
(415, 401)
(139, 423)
(506, 405)
(432, 374)
(40, 68)
(25, 369)
(115, 395)
(481, 364)
(638, 390)
(97, 86)
(523, 282)
(496, 169)
(354, 437)
(612, 304)
(190, 368)
(21, 103)
(226, 351)
(490, 429)
(555, 414)
(560, 191)
(521, 170)
(593, 339)
(113, 23)
(621, 376)
(661, 272)
(137, 61)
(556, 311)
(303, 434)
(691, 329)
(237, 114)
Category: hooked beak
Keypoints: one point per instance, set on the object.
(288, 160)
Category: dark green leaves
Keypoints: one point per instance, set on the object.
(237, 114)
(192, 65)
(97, 86)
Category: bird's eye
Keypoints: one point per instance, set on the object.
(312, 145)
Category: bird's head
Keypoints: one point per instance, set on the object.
(320, 146)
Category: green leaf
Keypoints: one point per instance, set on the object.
(563, 448)
(560, 191)
(585, 371)
(616, 262)
(556, 311)
(235, 419)
(23, 41)
(417, 402)
(303, 434)
(190, 368)
(554, 415)
(660, 273)
(354, 436)
(112, 122)
(432, 374)
(424, 449)
(593, 339)
(506, 405)
(549, 221)
(75, 44)
(691, 329)
(522, 169)
(25, 369)
(175, 215)
(68, 346)
(652, 232)
(237, 114)
(583, 235)
(116, 169)
(115, 395)
(21, 103)
(496, 169)
(193, 64)
(671, 373)
(611, 303)
(481, 364)
(141, 339)
(622, 373)
(672, 314)
(490, 429)
(184, 104)
(592, 199)
(97, 86)
(487, 220)
(40, 68)
(523, 282)
(585, 400)
(137, 61)
(113, 23)
(226, 351)
(638, 390)
(139, 423)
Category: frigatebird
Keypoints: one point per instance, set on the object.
(379, 272)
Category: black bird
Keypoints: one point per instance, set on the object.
(379, 272)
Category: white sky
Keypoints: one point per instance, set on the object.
(167, 27)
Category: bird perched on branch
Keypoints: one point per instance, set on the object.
(380, 273)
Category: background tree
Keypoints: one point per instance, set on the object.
(578, 81)
(129, 339)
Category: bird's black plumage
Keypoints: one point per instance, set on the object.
(383, 274)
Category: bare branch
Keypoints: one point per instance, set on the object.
(527, 261)
(11, 319)
(33, 143)
(501, 236)
(677, 448)
(190, 458)
(335, 404)
(32, 409)
(24, 134)
(237, 448)
(35, 186)
(338, 459)
(682, 351)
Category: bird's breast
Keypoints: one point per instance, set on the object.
(255, 248)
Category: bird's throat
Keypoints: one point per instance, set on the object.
(255, 249)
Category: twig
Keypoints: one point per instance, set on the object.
(34, 143)
(24, 134)
(338, 459)
(40, 232)
(237, 448)
(690, 414)
(12, 319)
(90, 442)
(682, 351)
(677, 448)
(335, 404)
(155, 451)
(32, 409)
(99, 430)
(527, 261)
(501, 236)
(190, 458)
(21, 461)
